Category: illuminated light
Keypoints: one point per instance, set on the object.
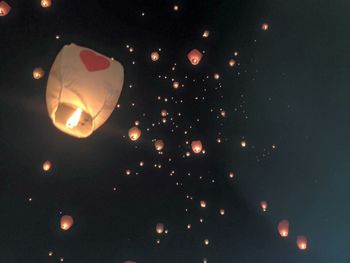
(5, 8)
(66, 222)
(142, 163)
(83, 79)
(131, 49)
(216, 76)
(222, 211)
(164, 113)
(205, 260)
(206, 242)
(283, 228)
(302, 242)
(137, 123)
(134, 133)
(47, 166)
(243, 144)
(176, 7)
(46, 3)
(176, 84)
(194, 56)
(265, 26)
(203, 204)
(50, 253)
(159, 145)
(223, 113)
(189, 226)
(159, 228)
(38, 73)
(73, 120)
(154, 56)
(196, 146)
(158, 241)
(263, 205)
(232, 62)
(205, 33)
(128, 172)
(166, 231)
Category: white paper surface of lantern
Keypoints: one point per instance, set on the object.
(83, 89)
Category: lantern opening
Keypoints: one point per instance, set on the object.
(73, 120)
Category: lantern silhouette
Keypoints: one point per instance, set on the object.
(283, 228)
(263, 205)
(159, 145)
(194, 56)
(46, 166)
(38, 73)
(66, 222)
(203, 204)
(302, 242)
(134, 133)
(5, 8)
(159, 228)
(154, 56)
(196, 146)
(83, 89)
(46, 3)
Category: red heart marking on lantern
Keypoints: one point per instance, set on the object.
(92, 61)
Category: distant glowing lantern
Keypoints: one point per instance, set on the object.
(46, 3)
(216, 76)
(5, 8)
(206, 242)
(189, 226)
(176, 84)
(194, 56)
(222, 211)
(283, 228)
(66, 222)
(159, 228)
(263, 205)
(83, 89)
(164, 113)
(205, 260)
(130, 261)
(196, 146)
(176, 7)
(203, 204)
(302, 242)
(38, 73)
(232, 62)
(154, 56)
(128, 172)
(265, 26)
(243, 144)
(47, 166)
(223, 113)
(205, 34)
(159, 145)
(134, 133)
(231, 175)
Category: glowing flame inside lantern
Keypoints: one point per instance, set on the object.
(73, 120)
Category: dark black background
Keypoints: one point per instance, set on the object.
(291, 82)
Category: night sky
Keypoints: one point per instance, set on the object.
(287, 97)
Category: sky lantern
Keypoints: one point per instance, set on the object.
(194, 56)
(231, 174)
(46, 3)
(263, 205)
(222, 211)
(38, 73)
(160, 228)
(159, 145)
(265, 26)
(196, 146)
(243, 143)
(203, 204)
(154, 56)
(206, 242)
(66, 222)
(83, 89)
(4, 8)
(47, 166)
(176, 84)
(302, 242)
(216, 76)
(130, 261)
(134, 133)
(283, 228)
(205, 33)
(232, 62)
(164, 113)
